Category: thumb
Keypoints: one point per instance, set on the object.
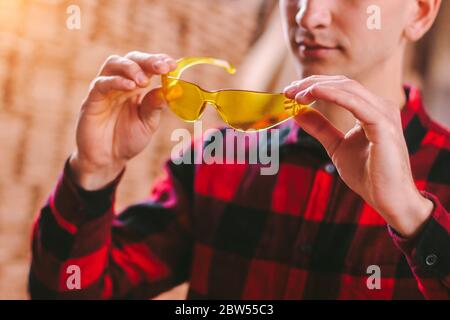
(151, 106)
(314, 123)
(153, 100)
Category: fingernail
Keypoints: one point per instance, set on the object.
(162, 67)
(290, 90)
(142, 78)
(158, 65)
(130, 84)
(169, 60)
(301, 95)
(172, 63)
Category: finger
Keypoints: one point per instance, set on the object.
(300, 85)
(321, 128)
(116, 65)
(153, 63)
(342, 82)
(151, 107)
(105, 85)
(171, 62)
(360, 109)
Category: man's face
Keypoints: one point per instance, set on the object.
(332, 36)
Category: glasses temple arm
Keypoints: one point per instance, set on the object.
(186, 63)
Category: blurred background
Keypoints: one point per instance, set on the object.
(45, 71)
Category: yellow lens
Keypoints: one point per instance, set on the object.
(244, 110)
(184, 99)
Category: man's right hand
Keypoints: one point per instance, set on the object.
(118, 117)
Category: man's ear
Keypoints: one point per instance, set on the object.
(423, 15)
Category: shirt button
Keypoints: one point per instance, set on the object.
(330, 168)
(306, 249)
(431, 260)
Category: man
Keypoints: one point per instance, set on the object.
(358, 209)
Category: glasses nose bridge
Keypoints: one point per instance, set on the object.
(210, 97)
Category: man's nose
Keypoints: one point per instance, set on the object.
(314, 14)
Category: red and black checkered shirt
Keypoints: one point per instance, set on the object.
(233, 233)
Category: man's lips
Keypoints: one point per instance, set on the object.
(315, 50)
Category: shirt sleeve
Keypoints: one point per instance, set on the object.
(428, 253)
(81, 249)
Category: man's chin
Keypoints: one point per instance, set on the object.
(310, 68)
(307, 66)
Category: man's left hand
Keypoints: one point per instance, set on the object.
(372, 158)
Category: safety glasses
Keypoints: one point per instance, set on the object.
(240, 109)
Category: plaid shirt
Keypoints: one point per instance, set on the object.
(236, 234)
